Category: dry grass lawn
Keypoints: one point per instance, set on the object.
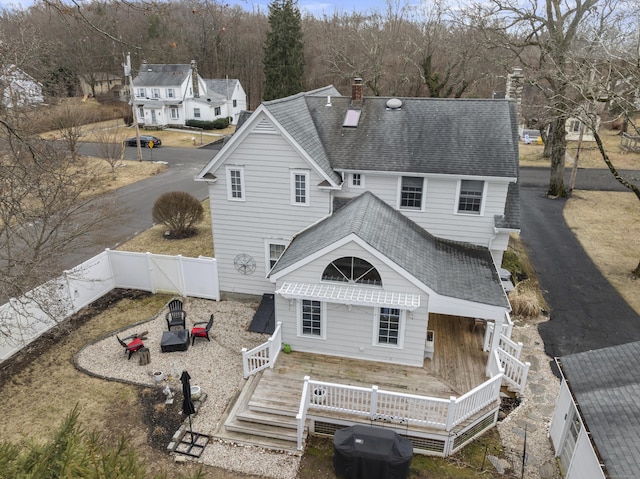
(531, 155)
(607, 225)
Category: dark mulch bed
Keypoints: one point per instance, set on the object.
(162, 420)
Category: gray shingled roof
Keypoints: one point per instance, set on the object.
(606, 384)
(450, 268)
(222, 87)
(293, 114)
(426, 135)
(161, 75)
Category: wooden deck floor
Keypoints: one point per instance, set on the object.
(457, 366)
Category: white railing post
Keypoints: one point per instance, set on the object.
(374, 401)
(451, 413)
(488, 334)
(245, 363)
(523, 380)
(301, 417)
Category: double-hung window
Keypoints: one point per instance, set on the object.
(171, 93)
(216, 111)
(155, 93)
(411, 192)
(274, 250)
(141, 93)
(356, 181)
(311, 320)
(235, 183)
(235, 103)
(141, 113)
(470, 199)
(300, 187)
(389, 327)
(196, 112)
(173, 113)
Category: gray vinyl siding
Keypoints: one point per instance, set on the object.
(439, 216)
(350, 333)
(242, 226)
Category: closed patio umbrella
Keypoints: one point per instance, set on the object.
(187, 404)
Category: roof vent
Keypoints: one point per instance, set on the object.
(394, 104)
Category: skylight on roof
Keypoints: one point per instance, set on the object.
(352, 118)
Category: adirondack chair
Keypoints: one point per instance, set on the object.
(130, 346)
(176, 315)
(201, 332)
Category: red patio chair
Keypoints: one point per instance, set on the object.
(201, 332)
(131, 347)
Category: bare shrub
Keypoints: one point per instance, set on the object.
(180, 212)
(524, 301)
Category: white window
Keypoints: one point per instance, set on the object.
(311, 318)
(171, 93)
(141, 112)
(300, 187)
(216, 111)
(141, 93)
(470, 197)
(173, 113)
(235, 183)
(356, 181)
(196, 112)
(155, 93)
(235, 103)
(575, 126)
(390, 327)
(273, 251)
(411, 192)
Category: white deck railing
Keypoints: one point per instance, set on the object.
(515, 371)
(262, 356)
(379, 405)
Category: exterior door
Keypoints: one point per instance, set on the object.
(571, 438)
(153, 117)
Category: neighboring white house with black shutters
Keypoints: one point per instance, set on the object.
(170, 95)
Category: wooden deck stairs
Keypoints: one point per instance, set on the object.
(260, 420)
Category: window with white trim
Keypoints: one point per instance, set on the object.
(350, 269)
(311, 318)
(356, 181)
(171, 93)
(216, 111)
(235, 103)
(173, 113)
(411, 192)
(155, 93)
(235, 183)
(141, 92)
(389, 325)
(274, 251)
(141, 112)
(470, 198)
(300, 187)
(196, 112)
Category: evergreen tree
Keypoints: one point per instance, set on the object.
(283, 51)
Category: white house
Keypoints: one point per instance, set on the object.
(363, 215)
(170, 95)
(19, 88)
(595, 430)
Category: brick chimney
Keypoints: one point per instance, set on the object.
(515, 85)
(194, 79)
(356, 91)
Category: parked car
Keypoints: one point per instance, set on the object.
(144, 141)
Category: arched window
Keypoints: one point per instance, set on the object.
(352, 270)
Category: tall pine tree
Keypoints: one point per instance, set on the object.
(283, 51)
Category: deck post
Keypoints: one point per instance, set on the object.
(451, 412)
(523, 380)
(374, 401)
(245, 363)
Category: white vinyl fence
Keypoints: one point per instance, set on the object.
(24, 319)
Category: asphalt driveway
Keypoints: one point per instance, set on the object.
(586, 312)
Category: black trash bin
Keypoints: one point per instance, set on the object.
(367, 452)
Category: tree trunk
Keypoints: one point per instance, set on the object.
(636, 272)
(558, 140)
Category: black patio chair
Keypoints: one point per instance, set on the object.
(176, 315)
(201, 332)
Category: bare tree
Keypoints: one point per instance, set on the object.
(110, 147)
(71, 122)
